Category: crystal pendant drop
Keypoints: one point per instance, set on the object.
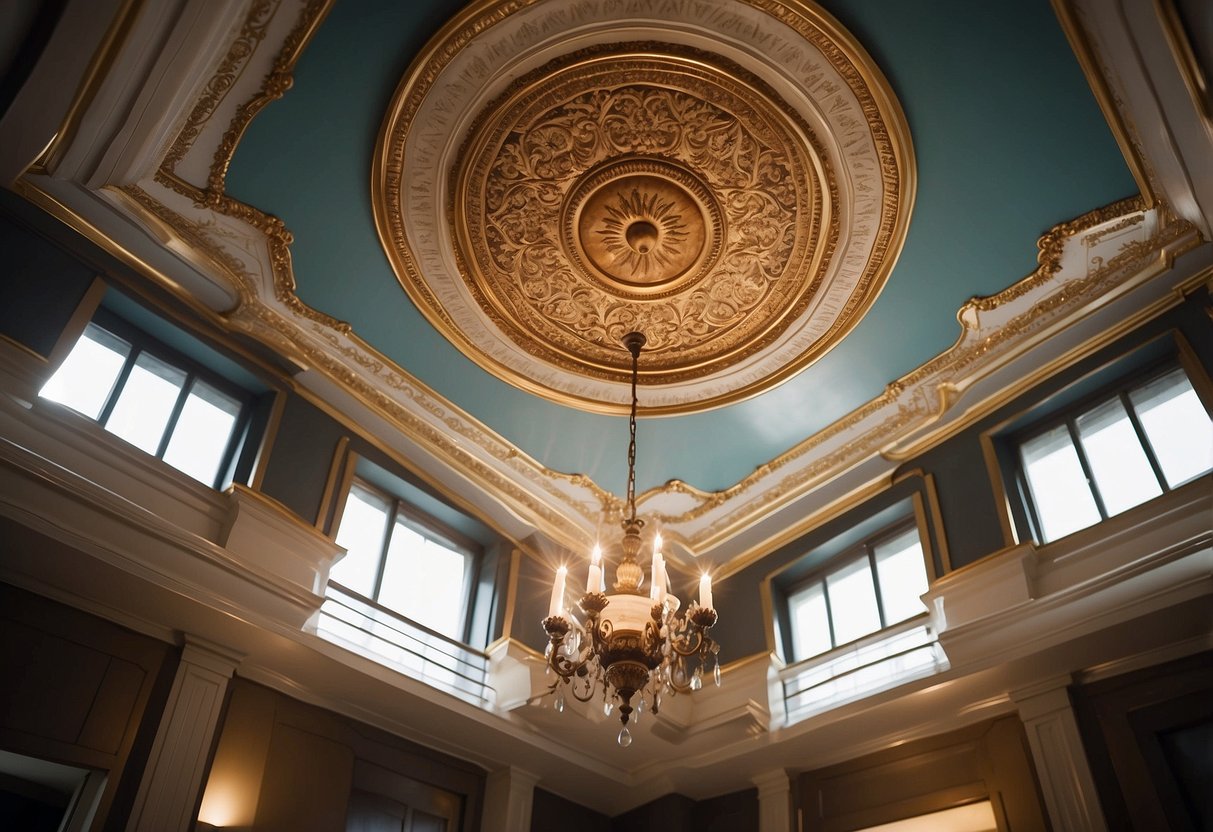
(625, 738)
(697, 679)
(640, 706)
(716, 673)
(560, 703)
(607, 707)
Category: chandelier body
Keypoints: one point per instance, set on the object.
(629, 642)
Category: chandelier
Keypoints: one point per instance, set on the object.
(631, 646)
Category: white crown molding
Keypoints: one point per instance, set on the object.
(216, 252)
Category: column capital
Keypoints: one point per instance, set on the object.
(509, 794)
(774, 800)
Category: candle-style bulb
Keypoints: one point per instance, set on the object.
(705, 591)
(594, 581)
(556, 606)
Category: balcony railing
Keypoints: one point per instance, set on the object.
(375, 632)
(898, 654)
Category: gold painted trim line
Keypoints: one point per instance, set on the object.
(766, 597)
(343, 460)
(511, 593)
(925, 539)
(941, 533)
(268, 438)
(98, 68)
(927, 517)
(1002, 500)
(1097, 77)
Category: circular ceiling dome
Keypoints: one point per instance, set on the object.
(733, 181)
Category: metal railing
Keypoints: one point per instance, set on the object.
(377, 633)
(898, 654)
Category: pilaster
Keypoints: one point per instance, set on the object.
(1061, 762)
(774, 801)
(171, 783)
(508, 796)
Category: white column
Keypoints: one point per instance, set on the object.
(774, 801)
(171, 783)
(1061, 762)
(508, 795)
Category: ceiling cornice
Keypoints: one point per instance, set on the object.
(178, 202)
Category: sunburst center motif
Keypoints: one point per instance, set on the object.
(644, 235)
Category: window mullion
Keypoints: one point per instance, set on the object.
(875, 584)
(1086, 469)
(825, 593)
(178, 406)
(1144, 440)
(387, 541)
(119, 384)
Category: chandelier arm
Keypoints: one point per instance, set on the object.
(689, 644)
(590, 690)
(563, 667)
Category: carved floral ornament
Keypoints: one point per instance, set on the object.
(735, 186)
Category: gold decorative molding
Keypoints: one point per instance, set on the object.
(280, 78)
(111, 44)
(637, 185)
(850, 442)
(631, 187)
(565, 505)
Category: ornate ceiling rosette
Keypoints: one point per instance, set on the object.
(732, 179)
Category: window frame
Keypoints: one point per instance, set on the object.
(1024, 512)
(430, 528)
(864, 549)
(140, 343)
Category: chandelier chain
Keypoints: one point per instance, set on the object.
(635, 350)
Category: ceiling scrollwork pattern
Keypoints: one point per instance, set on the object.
(650, 197)
(738, 194)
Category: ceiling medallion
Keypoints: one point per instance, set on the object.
(739, 207)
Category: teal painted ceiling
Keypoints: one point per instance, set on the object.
(1009, 142)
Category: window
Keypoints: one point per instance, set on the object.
(868, 590)
(1115, 453)
(856, 624)
(399, 561)
(401, 595)
(156, 402)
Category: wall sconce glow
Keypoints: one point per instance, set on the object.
(974, 817)
(221, 807)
